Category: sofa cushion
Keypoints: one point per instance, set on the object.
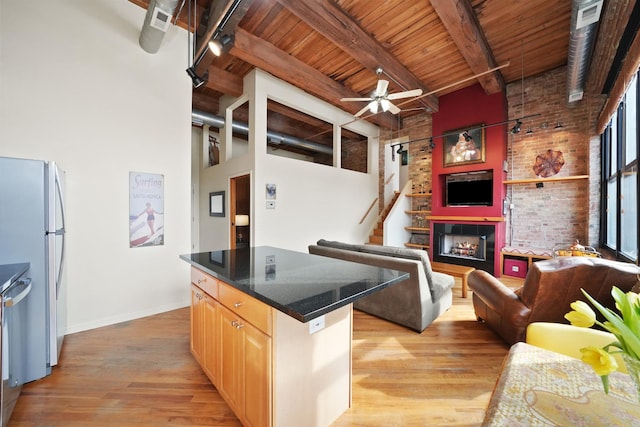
(338, 245)
(441, 284)
(413, 254)
(392, 251)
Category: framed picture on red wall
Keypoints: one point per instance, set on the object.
(464, 146)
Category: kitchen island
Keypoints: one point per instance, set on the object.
(272, 330)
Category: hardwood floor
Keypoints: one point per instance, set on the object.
(141, 373)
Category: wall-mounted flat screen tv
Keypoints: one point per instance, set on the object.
(469, 189)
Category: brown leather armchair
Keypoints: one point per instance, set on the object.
(548, 290)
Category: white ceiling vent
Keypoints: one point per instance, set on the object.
(575, 95)
(156, 23)
(588, 14)
(160, 19)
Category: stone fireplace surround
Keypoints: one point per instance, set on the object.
(481, 257)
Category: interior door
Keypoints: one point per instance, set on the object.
(240, 211)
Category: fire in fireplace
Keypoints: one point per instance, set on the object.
(462, 246)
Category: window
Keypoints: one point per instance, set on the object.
(620, 178)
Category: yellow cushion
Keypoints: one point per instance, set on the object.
(569, 339)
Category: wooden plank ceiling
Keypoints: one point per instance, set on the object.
(332, 48)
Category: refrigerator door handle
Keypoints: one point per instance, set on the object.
(11, 301)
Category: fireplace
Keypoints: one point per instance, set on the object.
(465, 244)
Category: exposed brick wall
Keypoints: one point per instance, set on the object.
(560, 212)
(416, 128)
(354, 155)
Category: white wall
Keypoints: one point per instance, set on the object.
(313, 201)
(76, 87)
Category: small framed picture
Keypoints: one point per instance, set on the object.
(216, 203)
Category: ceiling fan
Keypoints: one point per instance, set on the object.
(380, 98)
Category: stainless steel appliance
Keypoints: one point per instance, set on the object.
(32, 230)
(15, 289)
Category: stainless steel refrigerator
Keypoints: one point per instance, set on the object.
(32, 230)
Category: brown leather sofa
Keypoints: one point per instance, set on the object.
(548, 290)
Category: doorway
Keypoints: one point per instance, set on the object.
(240, 206)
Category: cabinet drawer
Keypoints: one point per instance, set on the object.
(205, 282)
(249, 308)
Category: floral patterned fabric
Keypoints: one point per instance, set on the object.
(538, 387)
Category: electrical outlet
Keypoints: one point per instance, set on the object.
(316, 325)
(271, 204)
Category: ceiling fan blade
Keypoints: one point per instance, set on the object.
(355, 99)
(405, 94)
(381, 89)
(361, 112)
(393, 109)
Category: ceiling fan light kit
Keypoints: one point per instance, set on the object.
(381, 98)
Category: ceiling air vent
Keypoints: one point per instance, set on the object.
(160, 19)
(576, 95)
(588, 14)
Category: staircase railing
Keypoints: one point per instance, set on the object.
(369, 210)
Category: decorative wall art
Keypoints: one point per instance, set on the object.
(464, 146)
(270, 191)
(216, 203)
(146, 209)
(548, 164)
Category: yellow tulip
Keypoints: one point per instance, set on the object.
(582, 315)
(602, 362)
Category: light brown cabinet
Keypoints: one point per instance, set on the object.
(204, 331)
(241, 342)
(234, 353)
(245, 363)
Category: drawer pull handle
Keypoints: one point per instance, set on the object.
(237, 304)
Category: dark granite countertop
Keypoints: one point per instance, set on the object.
(10, 272)
(302, 285)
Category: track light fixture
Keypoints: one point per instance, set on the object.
(517, 127)
(466, 136)
(196, 80)
(432, 144)
(400, 149)
(217, 46)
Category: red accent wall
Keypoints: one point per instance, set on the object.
(467, 108)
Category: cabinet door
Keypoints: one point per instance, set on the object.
(210, 340)
(197, 317)
(231, 378)
(245, 368)
(257, 372)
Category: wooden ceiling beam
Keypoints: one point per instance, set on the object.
(463, 27)
(328, 19)
(269, 58)
(224, 81)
